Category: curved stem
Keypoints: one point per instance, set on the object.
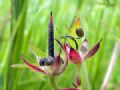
(53, 83)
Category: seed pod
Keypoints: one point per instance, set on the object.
(79, 32)
(51, 37)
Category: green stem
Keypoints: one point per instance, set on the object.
(78, 69)
(86, 77)
(53, 83)
(78, 75)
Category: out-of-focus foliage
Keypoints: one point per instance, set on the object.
(99, 19)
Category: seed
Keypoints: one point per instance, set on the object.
(49, 61)
(79, 32)
(42, 62)
(46, 61)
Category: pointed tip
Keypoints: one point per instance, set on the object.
(85, 40)
(94, 50)
(51, 17)
(51, 13)
(100, 40)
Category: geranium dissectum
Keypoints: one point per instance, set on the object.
(54, 65)
(49, 65)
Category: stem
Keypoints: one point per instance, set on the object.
(78, 69)
(111, 66)
(53, 83)
(86, 77)
(78, 76)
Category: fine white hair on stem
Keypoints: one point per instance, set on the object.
(111, 66)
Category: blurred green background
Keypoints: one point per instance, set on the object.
(25, 22)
